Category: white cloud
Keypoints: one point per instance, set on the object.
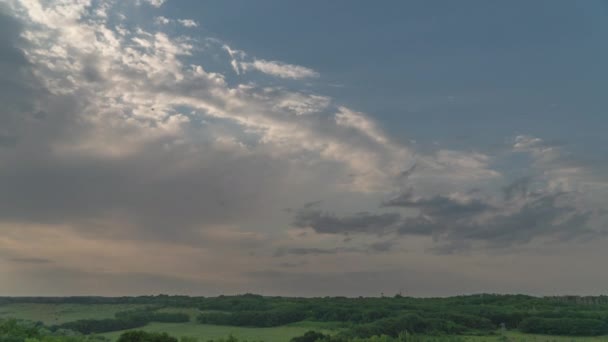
(138, 139)
(155, 3)
(279, 69)
(187, 22)
(241, 63)
(162, 20)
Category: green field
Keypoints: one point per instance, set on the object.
(51, 314)
(59, 313)
(514, 336)
(205, 332)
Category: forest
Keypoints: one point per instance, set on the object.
(395, 318)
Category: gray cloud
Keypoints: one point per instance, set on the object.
(362, 222)
(382, 246)
(148, 190)
(112, 134)
(301, 251)
(439, 206)
(458, 222)
(18, 87)
(304, 251)
(8, 141)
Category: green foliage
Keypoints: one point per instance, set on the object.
(153, 316)
(564, 326)
(13, 330)
(357, 318)
(270, 318)
(90, 326)
(143, 336)
(310, 336)
(124, 320)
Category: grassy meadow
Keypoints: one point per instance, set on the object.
(50, 314)
(59, 313)
(204, 332)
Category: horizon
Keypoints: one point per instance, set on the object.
(303, 149)
(396, 295)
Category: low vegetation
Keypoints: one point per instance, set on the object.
(124, 320)
(330, 319)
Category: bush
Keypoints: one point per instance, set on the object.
(253, 318)
(309, 336)
(564, 326)
(90, 326)
(143, 336)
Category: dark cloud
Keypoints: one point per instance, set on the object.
(457, 223)
(18, 87)
(300, 251)
(90, 70)
(304, 251)
(312, 204)
(293, 264)
(362, 222)
(517, 188)
(439, 206)
(382, 246)
(533, 215)
(375, 247)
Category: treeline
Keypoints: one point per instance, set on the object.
(13, 330)
(564, 326)
(122, 321)
(253, 301)
(364, 317)
(271, 318)
(144, 336)
(153, 316)
(314, 336)
(389, 316)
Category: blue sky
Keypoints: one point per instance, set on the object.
(473, 70)
(303, 148)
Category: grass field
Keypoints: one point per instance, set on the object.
(514, 336)
(60, 313)
(205, 332)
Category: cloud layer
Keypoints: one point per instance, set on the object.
(120, 139)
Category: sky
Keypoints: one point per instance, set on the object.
(318, 148)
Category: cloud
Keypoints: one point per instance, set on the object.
(462, 221)
(304, 251)
(119, 142)
(155, 3)
(362, 222)
(187, 22)
(449, 208)
(282, 70)
(113, 129)
(241, 63)
(8, 141)
(545, 215)
(160, 20)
